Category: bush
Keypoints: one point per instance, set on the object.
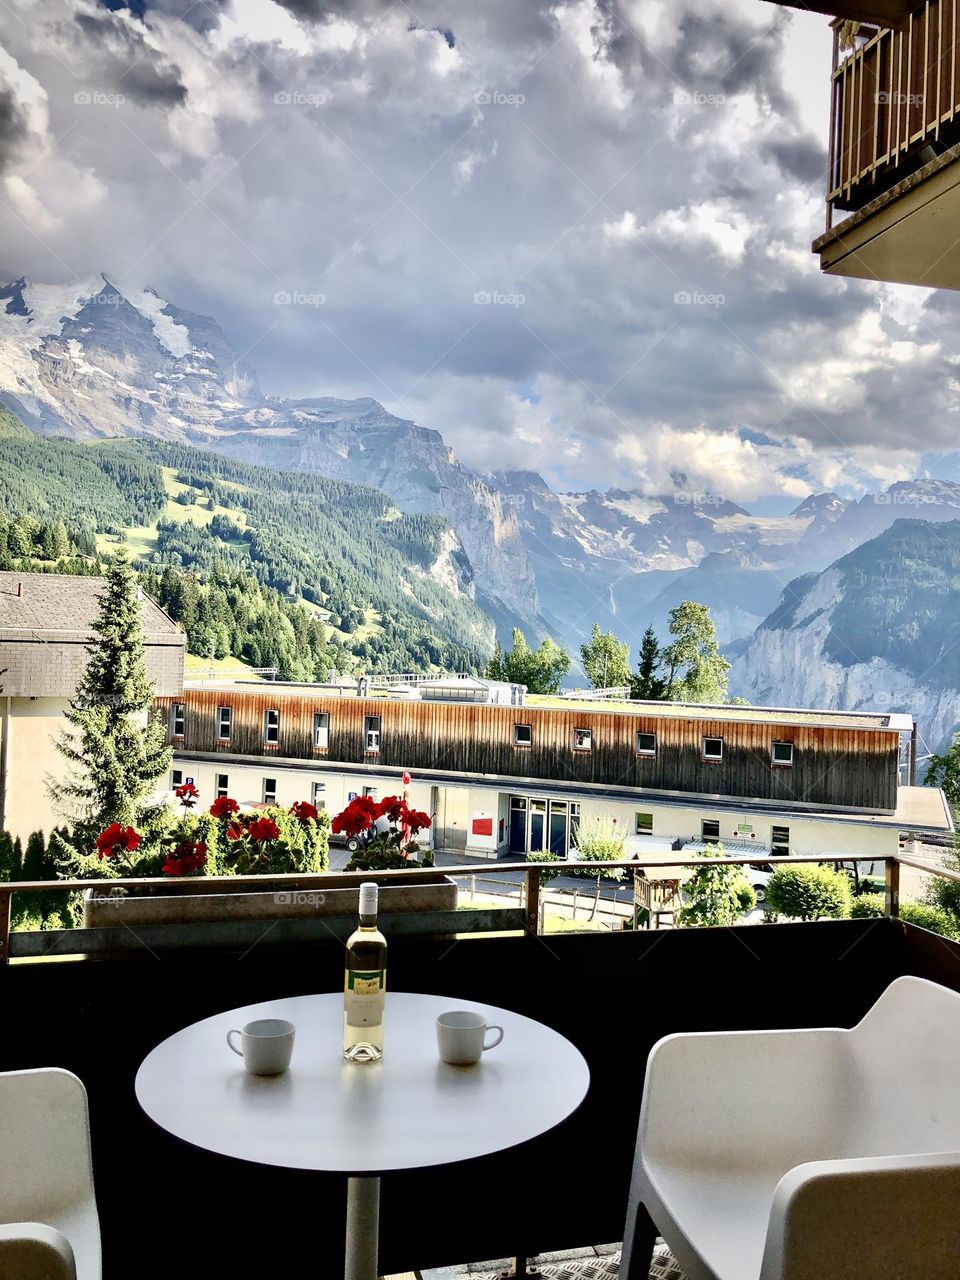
(809, 893)
(922, 914)
(717, 893)
(545, 876)
(945, 894)
(600, 841)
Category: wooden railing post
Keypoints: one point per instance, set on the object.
(6, 900)
(893, 887)
(531, 897)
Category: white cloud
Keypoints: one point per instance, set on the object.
(627, 155)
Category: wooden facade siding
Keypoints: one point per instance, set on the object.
(897, 93)
(851, 768)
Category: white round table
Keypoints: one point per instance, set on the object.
(408, 1111)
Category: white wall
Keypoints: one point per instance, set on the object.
(32, 758)
(807, 836)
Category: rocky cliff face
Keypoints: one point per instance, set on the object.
(360, 441)
(92, 361)
(877, 630)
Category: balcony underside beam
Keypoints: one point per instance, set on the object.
(908, 235)
(880, 13)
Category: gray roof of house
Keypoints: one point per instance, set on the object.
(62, 604)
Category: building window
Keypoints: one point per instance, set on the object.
(574, 823)
(371, 792)
(321, 730)
(319, 795)
(643, 825)
(710, 829)
(371, 733)
(271, 726)
(780, 842)
(523, 735)
(176, 778)
(223, 785)
(646, 744)
(224, 723)
(269, 791)
(583, 739)
(178, 719)
(783, 754)
(713, 750)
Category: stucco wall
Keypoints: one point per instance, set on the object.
(32, 727)
(807, 836)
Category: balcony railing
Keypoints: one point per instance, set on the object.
(895, 94)
(184, 936)
(166, 1208)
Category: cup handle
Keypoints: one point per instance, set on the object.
(492, 1027)
(238, 1052)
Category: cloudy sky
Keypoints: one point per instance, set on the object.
(572, 235)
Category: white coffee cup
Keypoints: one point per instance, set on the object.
(266, 1046)
(462, 1037)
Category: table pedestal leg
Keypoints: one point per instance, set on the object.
(363, 1228)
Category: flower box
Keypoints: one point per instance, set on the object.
(202, 902)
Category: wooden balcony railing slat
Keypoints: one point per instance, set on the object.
(891, 96)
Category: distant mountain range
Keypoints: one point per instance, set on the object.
(92, 361)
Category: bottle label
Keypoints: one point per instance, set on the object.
(363, 998)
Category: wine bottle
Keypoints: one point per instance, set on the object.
(365, 984)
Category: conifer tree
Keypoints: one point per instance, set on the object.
(646, 684)
(114, 746)
(9, 861)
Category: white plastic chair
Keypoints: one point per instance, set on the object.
(50, 1229)
(806, 1155)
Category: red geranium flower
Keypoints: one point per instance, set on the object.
(187, 857)
(303, 811)
(391, 807)
(236, 830)
(360, 813)
(417, 820)
(263, 830)
(406, 779)
(223, 807)
(187, 794)
(114, 839)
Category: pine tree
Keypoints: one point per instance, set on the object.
(646, 684)
(60, 540)
(9, 861)
(114, 746)
(494, 668)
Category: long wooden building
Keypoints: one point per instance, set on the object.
(520, 778)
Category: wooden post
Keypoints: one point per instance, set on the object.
(893, 887)
(531, 904)
(6, 901)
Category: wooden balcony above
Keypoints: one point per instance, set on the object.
(895, 128)
(879, 13)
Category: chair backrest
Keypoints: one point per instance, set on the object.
(45, 1161)
(906, 1054)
